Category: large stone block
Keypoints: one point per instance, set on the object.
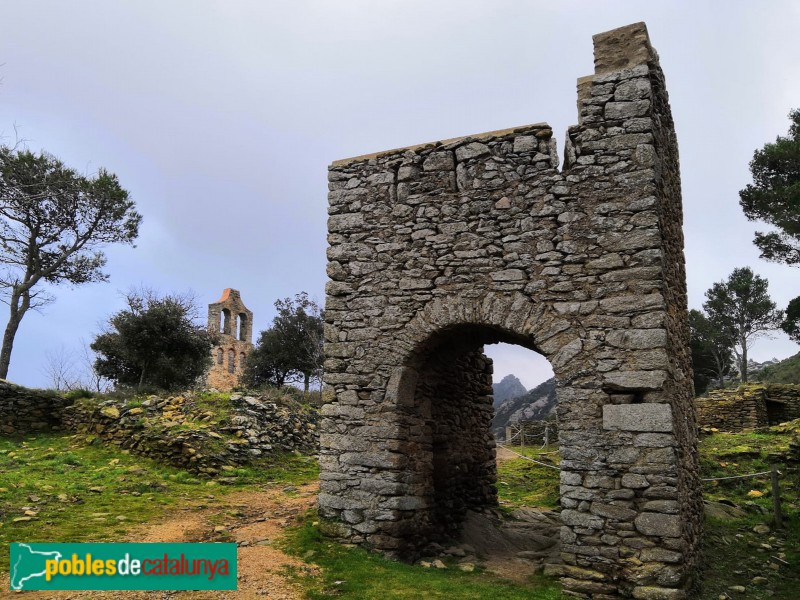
(637, 417)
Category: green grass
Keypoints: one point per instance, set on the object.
(54, 475)
(733, 552)
(354, 573)
(729, 454)
(216, 405)
(524, 483)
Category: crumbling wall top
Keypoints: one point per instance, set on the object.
(622, 48)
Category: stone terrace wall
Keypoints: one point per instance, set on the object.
(173, 430)
(440, 248)
(23, 410)
(748, 406)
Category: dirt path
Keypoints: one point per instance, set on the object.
(504, 455)
(253, 519)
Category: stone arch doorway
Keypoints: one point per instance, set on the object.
(444, 245)
(444, 387)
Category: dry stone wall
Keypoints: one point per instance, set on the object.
(438, 249)
(177, 431)
(23, 410)
(748, 406)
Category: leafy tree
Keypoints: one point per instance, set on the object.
(52, 223)
(743, 308)
(712, 351)
(154, 342)
(291, 350)
(269, 363)
(791, 322)
(774, 195)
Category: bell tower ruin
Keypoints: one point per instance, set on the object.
(232, 322)
(438, 249)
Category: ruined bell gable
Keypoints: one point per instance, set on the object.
(232, 322)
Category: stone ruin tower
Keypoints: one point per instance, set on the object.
(230, 319)
(438, 249)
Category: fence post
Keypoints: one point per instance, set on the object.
(776, 496)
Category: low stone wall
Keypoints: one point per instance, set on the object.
(23, 410)
(749, 406)
(181, 432)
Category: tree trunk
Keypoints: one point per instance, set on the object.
(306, 380)
(19, 302)
(744, 361)
(141, 377)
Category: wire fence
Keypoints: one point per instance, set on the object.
(528, 458)
(774, 474)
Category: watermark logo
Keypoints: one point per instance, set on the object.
(45, 566)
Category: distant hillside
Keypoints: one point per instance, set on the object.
(509, 387)
(785, 371)
(537, 404)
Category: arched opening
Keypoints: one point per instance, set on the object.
(241, 360)
(524, 397)
(231, 361)
(241, 327)
(447, 385)
(220, 356)
(225, 321)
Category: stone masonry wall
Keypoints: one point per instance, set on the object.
(748, 406)
(438, 249)
(23, 410)
(456, 389)
(177, 431)
(232, 322)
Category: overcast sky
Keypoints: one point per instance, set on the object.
(221, 118)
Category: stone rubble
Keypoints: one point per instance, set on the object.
(173, 430)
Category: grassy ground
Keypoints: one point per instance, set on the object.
(524, 483)
(736, 554)
(57, 488)
(352, 573)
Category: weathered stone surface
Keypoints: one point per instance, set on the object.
(637, 339)
(658, 593)
(618, 513)
(581, 519)
(626, 110)
(526, 143)
(635, 380)
(637, 417)
(584, 265)
(658, 524)
(473, 150)
(439, 161)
